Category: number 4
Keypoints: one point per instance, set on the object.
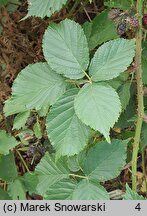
(138, 207)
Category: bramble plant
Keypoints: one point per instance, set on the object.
(83, 90)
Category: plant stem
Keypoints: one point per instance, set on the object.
(88, 77)
(139, 34)
(78, 176)
(24, 163)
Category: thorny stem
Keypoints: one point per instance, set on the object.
(139, 35)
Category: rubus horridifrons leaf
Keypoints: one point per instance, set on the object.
(131, 195)
(98, 106)
(62, 190)
(21, 119)
(104, 161)
(111, 59)
(66, 50)
(8, 170)
(44, 8)
(50, 172)
(124, 94)
(66, 132)
(84, 190)
(121, 4)
(7, 142)
(100, 30)
(16, 190)
(89, 190)
(4, 195)
(35, 87)
(30, 182)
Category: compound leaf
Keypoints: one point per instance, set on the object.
(104, 161)
(66, 132)
(98, 106)
(35, 87)
(111, 59)
(44, 8)
(65, 49)
(50, 172)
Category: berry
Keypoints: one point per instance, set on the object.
(133, 22)
(121, 29)
(145, 19)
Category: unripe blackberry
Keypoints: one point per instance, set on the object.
(133, 22)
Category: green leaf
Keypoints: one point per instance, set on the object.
(7, 142)
(89, 190)
(4, 2)
(98, 106)
(61, 191)
(130, 111)
(104, 161)
(35, 87)
(65, 49)
(50, 172)
(37, 129)
(124, 94)
(117, 82)
(131, 195)
(66, 132)
(21, 119)
(30, 182)
(121, 4)
(16, 190)
(69, 190)
(4, 195)
(8, 170)
(111, 59)
(75, 162)
(44, 8)
(100, 30)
